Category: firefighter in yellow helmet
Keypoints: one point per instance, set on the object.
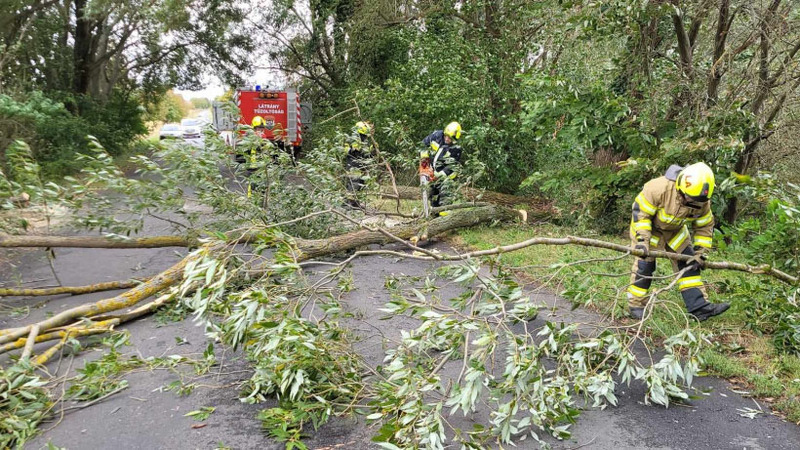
(673, 213)
(258, 122)
(357, 160)
(256, 157)
(442, 149)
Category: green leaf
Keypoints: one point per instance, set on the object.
(201, 414)
(388, 446)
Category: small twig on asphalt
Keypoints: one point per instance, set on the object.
(97, 400)
(51, 256)
(584, 445)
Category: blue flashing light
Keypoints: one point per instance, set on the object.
(258, 87)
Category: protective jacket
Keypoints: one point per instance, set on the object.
(358, 152)
(658, 215)
(442, 152)
(661, 220)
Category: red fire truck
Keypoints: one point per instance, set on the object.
(286, 118)
(280, 109)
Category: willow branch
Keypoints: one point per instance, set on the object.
(764, 269)
(129, 298)
(26, 352)
(95, 241)
(71, 290)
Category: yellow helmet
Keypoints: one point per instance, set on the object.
(258, 121)
(696, 182)
(362, 127)
(453, 129)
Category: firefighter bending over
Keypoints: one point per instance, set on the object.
(444, 154)
(663, 213)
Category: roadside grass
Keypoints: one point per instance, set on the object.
(597, 279)
(142, 146)
(390, 205)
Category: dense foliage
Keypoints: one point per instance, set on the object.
(69, 69)
(558, 94)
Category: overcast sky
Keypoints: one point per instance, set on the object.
(213, 88)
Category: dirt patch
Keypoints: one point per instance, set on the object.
(35, 219)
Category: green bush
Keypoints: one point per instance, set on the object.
(772, 234)
(56, 126)
(413, 102)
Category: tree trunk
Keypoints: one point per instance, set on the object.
(82, 48)
(724, 21)
(683, 96)
(90, 35)
(461, 218)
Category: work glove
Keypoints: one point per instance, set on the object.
(698, 262)
(643, 247)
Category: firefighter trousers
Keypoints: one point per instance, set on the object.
(690, 284)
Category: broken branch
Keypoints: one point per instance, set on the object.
(129, 298)
(7, 241)
(71, 290)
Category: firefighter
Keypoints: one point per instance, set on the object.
(258, 123)
(663, 215)
(441, 146)
(357, 160)
(246, 157)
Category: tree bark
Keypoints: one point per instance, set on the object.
(8, 241)
(83, 48)
(461, 218)
(71, 290)
(724, 22)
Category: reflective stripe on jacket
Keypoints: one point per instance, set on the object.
(658, 209)
(441, 152)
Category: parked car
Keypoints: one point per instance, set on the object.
(192, 132)
(170, 131)
(191, 123)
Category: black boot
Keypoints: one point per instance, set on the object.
(710, 310)
(636, 313)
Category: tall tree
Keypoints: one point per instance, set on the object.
(90, 47)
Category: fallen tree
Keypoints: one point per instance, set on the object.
(537, 208)
(9, 241)
(305, 250)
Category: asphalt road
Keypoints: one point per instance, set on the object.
(147, 416)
